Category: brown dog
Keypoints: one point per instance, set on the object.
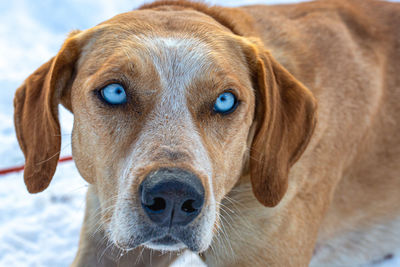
(189, 124)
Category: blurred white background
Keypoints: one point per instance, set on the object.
(43, 229)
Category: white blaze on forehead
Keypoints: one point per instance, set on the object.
(177, 60)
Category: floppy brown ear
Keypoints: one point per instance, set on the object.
(285, 119)
(36, 115)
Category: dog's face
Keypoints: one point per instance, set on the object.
(172, 81)
(165, 114)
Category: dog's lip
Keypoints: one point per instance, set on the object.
(178, 239)
(166, 240)
(172, 240)
(161, 238)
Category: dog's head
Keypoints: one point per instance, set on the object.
(170, 109)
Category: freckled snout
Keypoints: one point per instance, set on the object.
(172, 197)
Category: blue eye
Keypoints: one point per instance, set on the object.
(225, 103)
(114, 94)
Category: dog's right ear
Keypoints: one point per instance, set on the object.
(36, 114)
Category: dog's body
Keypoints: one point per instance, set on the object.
(347, 54)
(341, 206)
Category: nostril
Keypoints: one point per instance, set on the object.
(187, 206)
(158, 205)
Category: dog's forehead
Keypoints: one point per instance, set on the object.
(173, 55)
(168, 59)
(177, 60)
(136, 29)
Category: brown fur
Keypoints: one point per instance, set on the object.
(322, 191)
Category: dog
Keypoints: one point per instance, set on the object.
(253, 136)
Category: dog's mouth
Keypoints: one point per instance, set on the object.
(192, 237)
(171, 214)
(164, 239)
(166, 242)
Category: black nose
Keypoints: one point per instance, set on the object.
(172, 196)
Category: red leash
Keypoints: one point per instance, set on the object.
(20, 168)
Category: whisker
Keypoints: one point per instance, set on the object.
(104, 251)
(139, 257)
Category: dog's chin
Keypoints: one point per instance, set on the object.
(166, 243)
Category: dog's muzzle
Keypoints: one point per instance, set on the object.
(172, 199)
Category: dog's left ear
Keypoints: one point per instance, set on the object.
(285, 119)
(36, 114)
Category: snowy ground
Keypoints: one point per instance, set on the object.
(43, 229)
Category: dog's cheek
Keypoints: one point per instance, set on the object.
(95, 150)
(82, 157)
(91, 157)
(228, 161)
